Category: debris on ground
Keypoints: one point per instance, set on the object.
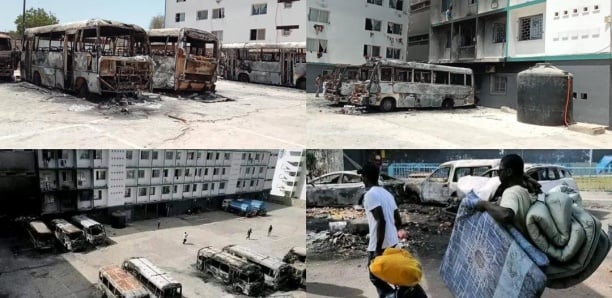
(335, 213)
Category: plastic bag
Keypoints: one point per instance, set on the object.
(397, 267)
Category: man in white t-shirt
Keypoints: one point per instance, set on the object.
(383, 221)
(515, 199)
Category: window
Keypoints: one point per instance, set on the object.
(403, 75)
(178, 155)
(238, 184)
(98, 154)
(156, 173)
(498, 84)
(169, 155)
(222, 185)
(393, 53)
(316, 45)
(259, 9)
(209, 156)
(165, 190)
(204, 186)
(440, 174)
(144, 155)
(165, 173)
(226, 156)
(216, 171)
(179, 17)
(398, 4)
(218, 13)
(174, 188)
(468, 80)
(141, 173)
(243, 156)
(530, 28)
(393, 28)
(499, 33)
(191, 155)
(142, 191)
(422, 76)
(206, 172)
(258, 34)
(187, 173)
(223, 171)
(457, 79)
(100, 175)
(99, 196)
(372, 24)
(371, 51)
(128, 192)
(261, 170)
(212, 186)
(186, 188)
(386, 74)
(128, 155)
(177, 173)
(202, 15)
(217, 156)
(195, 187)
(377, 2)
(318, 15)
(154, 155)
(129, 174)
(152, 191)
(252, 183)
(329, 179)
(441, 77)
(471, 2)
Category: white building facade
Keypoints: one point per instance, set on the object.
(350, 31)
(241, 21)
(78, 180)
(289, 178)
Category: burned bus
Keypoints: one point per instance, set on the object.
(296, 257)
(116, 282)
(71, 237)
(94, 56)
(339, 86)
(277, 273)
(282, 64)
(244, 277)
(185, 59)
(158, 282)
(40, 235)
(399, 84)
(9, 57)
(94, 231)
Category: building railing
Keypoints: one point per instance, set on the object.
(467, 52)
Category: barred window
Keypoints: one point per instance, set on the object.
(531, 27)
(499, 33)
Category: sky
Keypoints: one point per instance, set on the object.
(137, 12)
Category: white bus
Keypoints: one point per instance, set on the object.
(71, 237)
(282, 64)
(41, 236)
(117, 283)
(339, 86)
(277, 273)
(243, 276)
(398, 84)
(94, 231)
(159, 283)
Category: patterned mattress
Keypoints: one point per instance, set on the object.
(484, 260)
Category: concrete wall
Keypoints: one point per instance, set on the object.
(238, 21)
(525, 48)
(419, 25)
(485, 46)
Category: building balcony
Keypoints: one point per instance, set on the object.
(466, 52)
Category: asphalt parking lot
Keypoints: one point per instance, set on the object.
(27, 273)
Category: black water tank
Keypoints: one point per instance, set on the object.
(119, 220)
(542, 95)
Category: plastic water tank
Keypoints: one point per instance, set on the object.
(543, 95)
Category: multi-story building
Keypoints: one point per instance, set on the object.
(170, 180)
(351, 31)
(418, 31)
(290, 178)
(241, 21)
(499, 38)
(19, 193)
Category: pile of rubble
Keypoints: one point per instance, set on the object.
(335, 213)
(335, 244)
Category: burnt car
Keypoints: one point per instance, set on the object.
(345, 188)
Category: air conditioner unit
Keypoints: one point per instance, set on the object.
(490, 69)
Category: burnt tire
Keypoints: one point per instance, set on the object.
(387, 105)
(83, 90)
(448, 104)
(36, 79)
(243, 78)
(301, 84)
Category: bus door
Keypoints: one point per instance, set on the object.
(69, 59)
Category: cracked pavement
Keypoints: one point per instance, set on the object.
(259, 116)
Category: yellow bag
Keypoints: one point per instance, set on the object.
(397, 267)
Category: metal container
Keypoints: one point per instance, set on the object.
(543, 95)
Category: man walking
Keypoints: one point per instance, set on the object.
(185, 238)
(158, 223)
(249, 233)
(269, 230)
(383, 221)
(318, 83)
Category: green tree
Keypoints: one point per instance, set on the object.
(35, 17)
(157, 22)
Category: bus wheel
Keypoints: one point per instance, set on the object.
(387, 105)
(448, 104)
(83, 90)
(243, 78)
(36, 79)
(301, 84)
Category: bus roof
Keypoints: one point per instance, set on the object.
(85, 221)
(159, 278)
(40, 227)
(189, 32)
(258, 45)
(255, 257)
(82, 24)
(230, 260)
(4, 35)
(66, 226)
(123, 281)
(419, 65)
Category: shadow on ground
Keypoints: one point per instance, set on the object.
(330, 290)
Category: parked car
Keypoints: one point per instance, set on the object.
(441, 185)
(345, 188)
